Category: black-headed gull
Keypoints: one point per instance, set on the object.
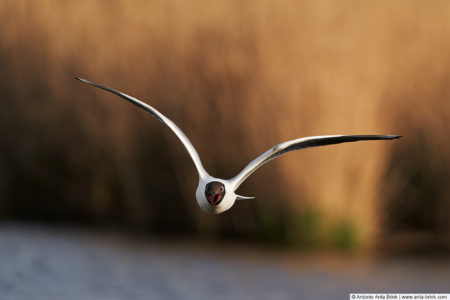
(216, 195)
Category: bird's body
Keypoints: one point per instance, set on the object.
(216, 195)
(225, 203)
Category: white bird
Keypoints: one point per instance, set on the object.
(216, 195)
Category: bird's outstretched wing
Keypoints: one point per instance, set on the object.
(298, 144)
(192, 152)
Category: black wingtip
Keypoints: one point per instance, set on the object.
(390, 137)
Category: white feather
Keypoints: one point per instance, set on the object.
(231, 185)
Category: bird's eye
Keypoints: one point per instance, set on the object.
(221, 189)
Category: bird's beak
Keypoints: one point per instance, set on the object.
(214, 198)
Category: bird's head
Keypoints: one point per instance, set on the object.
(214, 192)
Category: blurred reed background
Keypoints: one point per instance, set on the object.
(238, 77)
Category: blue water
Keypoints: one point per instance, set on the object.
(39, 262)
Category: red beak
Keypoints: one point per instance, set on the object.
(214, 199)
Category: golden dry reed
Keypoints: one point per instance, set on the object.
(237, 77)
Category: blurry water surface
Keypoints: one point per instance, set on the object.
(44, 263)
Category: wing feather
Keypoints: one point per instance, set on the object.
(159, 116)
(298, 144)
